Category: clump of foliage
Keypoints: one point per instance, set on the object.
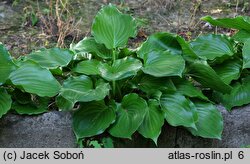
(112, 88)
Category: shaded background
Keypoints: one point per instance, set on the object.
(27, 25)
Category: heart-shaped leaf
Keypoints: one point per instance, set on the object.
(178, 110)
(239, 95)
(92, 119)
(161, 41)
(212, 46)
(88, 67)
(153, 121)
(210, 124)
(89, 45)
(5, 102)
(229, 70)
(40, 105)
(163, 63)
(82, 89)
(34, 79)
(205, 75)
(112, 28)
(6, 64)
(51, 58)
(120, 69)
(239, 22)
(130, 115)
(246, 54)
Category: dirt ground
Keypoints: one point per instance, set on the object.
(177, 16)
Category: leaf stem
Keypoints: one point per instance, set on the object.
(113, 82)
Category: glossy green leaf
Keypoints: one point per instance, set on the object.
(246, 54)
(163, 63)
(178, 110)
(229, 70)
(150, 84)
(187, 88)
(5, 102)
(153, 121)
(161, 41)
(88, 67)
(6, 64)
(239, 95)
(242, 36)
(239, 22)
(212, 46)
(51, 58)
(34, 79)
(187, 52)
(130, 115)
(205, 75)
(89, 45)
(83, 89)
(40, 105)
(120, 69)
(64, 104)
(112, 28)
(92, 119)
(210, 124)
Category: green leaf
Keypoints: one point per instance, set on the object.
(108, 142)
(163, 63)
(205, 75)
(150, 84)
(239, 22)
(246, 54)
(160, 42)
(153, 121)
(178, 110)
(83, 89)
(39, 106)
(212, 46)
(6, 64)
(187, 52)
(239, 95)
(120, 69)
(51, 58)
(163, 41)
(92, 119)
(112, 28)
(88, 67)
(89, 45)
(210, 124)
(187, 88)
(242, 36)
(229, 70)
(64, 104)
(34, 79)
(130, 115)
(5, 102)
(95, 144)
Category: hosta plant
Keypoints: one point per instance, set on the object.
(119, 91)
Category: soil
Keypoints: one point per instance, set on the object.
(176, 16)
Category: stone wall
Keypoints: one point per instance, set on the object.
(53, 130)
